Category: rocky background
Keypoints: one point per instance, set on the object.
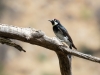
(80, 17)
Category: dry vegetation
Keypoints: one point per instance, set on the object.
(80, 17)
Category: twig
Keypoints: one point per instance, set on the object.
(10, 43)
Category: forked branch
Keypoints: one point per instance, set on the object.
(37, 37)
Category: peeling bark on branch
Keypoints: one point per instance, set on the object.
(36, 37)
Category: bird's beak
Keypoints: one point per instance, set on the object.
(50, 20)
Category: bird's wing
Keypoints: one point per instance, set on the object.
(65, 33)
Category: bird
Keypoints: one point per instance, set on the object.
(62, 33)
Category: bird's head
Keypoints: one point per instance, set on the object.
(55, 22)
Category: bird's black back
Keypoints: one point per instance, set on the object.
(64, 32)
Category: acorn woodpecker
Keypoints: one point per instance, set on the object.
(62, 33)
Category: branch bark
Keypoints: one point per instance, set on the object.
(10, 43)
(37, 37)
(65, 63)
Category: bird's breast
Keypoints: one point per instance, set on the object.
(61, 37)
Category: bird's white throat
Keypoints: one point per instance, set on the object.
(55, 23)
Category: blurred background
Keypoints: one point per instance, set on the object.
(80, 17)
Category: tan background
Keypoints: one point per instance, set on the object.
(80, 17)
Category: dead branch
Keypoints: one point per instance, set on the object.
(37, 37)
(10, 43)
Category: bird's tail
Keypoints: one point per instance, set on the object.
(74, 46)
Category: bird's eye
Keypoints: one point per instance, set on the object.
(55, 20)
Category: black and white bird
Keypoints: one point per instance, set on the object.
(62, 33)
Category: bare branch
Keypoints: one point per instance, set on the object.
(10, 43)
(37, 37)
(82, 55)
(65, 63)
